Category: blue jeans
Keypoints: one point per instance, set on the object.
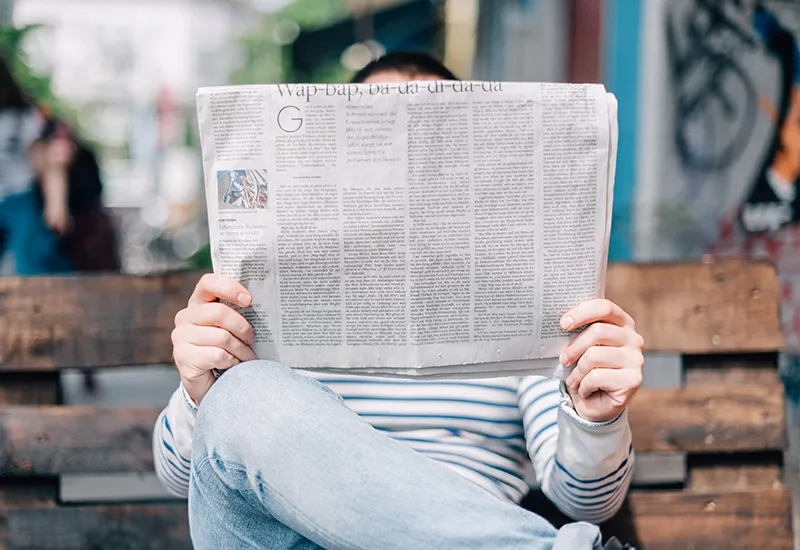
(34, 246)
(280, 462)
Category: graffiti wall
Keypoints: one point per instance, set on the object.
(731, 139)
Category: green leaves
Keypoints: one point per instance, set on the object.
(37, 86)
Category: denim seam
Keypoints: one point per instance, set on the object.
(262, 484)
(196, 467)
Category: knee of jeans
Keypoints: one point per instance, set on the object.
(248, 400)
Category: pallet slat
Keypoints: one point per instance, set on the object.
(29, 388)
(735, 477)
(687, 520)
(64, 440)
(27, 493)
(145, 526)
(654, 520)
(674, 520)
(61, 440)
(709, 419)
(731, 372)
(96, 321)
(715, 307)
(89, 321)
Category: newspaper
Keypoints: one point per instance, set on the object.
(417, 229)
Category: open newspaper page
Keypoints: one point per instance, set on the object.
(432, 229)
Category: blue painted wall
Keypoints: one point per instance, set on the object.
(622, 48)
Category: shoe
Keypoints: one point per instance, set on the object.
(614, 544)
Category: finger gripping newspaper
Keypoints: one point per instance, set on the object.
(422, 229)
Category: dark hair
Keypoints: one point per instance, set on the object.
(11, 95)
(410, 63)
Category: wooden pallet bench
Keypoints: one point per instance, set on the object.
(710, 430)
(709, 424)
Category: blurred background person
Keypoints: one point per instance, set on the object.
(29, 228)
(89, 240)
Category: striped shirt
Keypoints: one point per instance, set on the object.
(486, 430)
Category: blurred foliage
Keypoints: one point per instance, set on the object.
(201, 260)
(311, 14)
(327, 72)
(38, 87)
(265, 61)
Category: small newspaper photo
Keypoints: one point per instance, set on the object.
(431, 229)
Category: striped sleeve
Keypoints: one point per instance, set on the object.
(584, 467)
(172, 443)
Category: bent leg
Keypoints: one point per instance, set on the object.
(277, 455)
(223, 517)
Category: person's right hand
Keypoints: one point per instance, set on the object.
(211, 335)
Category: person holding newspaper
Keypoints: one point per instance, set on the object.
(273, 458)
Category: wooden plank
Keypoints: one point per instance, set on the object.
(57, 322)
(105, 320)
(39, 388)
(792, 477)
(27, 493)
(714, 307)
(653, 520)
(732, 376)
(735, 472)
(791, 460)
(675, 520)
(723, 370)
(709, 419)
(31, 388)
(152, 526)
(735, 478)
(55, 440)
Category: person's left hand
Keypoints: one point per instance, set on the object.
(607, 359)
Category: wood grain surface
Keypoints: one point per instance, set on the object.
(719, 307)
(89, 321)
